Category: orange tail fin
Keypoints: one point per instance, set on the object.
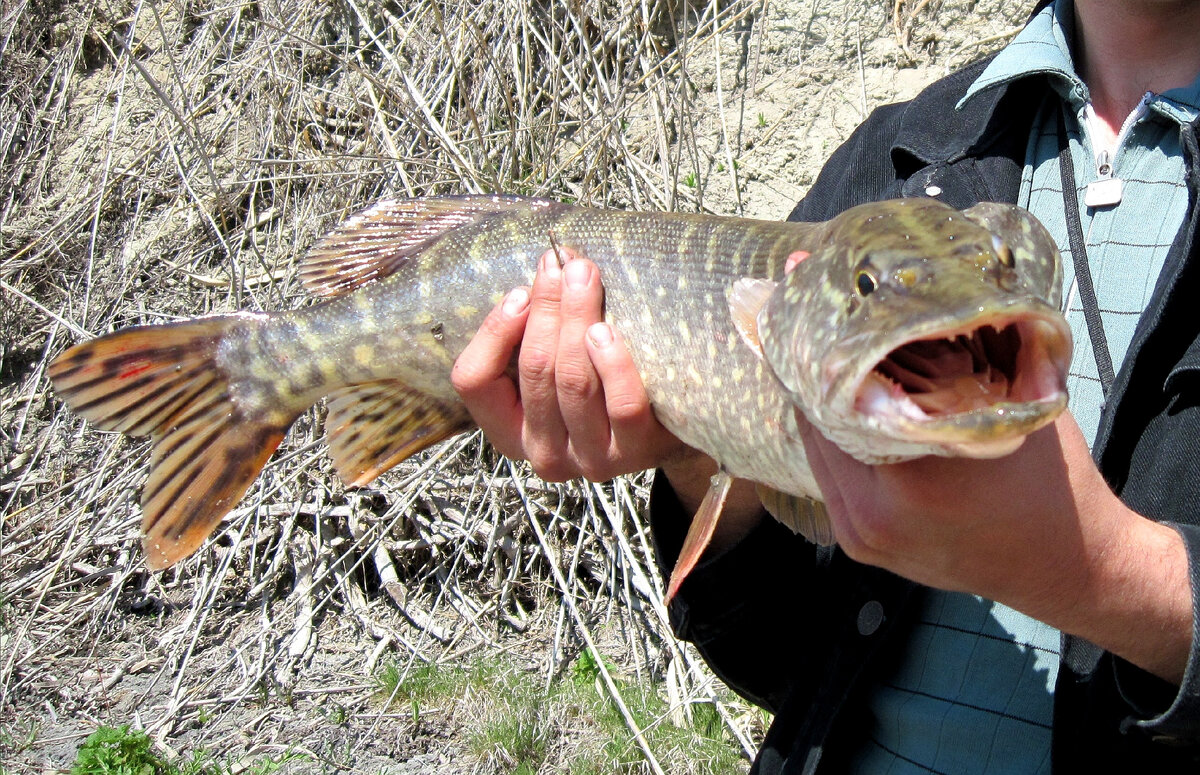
(163, 381)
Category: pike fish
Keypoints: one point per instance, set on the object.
(899, 329)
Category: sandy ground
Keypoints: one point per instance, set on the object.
(814, 71)
(228, 654)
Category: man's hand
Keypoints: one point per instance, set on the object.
(577, 406)
(1038, 530)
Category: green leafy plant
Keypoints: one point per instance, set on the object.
(586, 668)
(118, 751)
(124, 751)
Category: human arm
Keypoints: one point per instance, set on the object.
(1038, 530)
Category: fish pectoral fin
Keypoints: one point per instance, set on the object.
(372, 426)
(162, 381)
(377, 241)
(747, 297)
(806, 516)
(700, 533)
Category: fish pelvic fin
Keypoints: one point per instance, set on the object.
(162, 381)
(806, 516)
(700, 533)
(378, 241)
(372, 426)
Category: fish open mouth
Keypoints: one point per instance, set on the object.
(979, 386)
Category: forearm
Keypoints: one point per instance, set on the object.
(1127, 589)
(1038, 530)
(1071, 554)
(1104, 573)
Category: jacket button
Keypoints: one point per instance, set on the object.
(932, 190)
(870, 616)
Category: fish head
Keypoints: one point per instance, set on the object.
(914, 328)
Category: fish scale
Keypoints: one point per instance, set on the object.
(732, 349)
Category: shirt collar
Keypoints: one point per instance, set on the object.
(1181, 105)
(1043, 47)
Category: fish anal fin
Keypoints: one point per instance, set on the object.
(700, 533)
(376, 242)
(802, 514)
(372, 426)
(747, 297)
(163, 381)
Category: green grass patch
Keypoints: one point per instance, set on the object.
(510, 719)
(125, 751)
(423, 681)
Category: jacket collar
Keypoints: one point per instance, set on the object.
(937, 128)
(934, 130)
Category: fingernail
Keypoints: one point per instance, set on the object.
(550, 267)
(577, 274)
(516, 302)
(601, 334)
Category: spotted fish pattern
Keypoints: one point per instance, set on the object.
(906, 309)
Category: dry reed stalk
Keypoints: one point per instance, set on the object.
(162, 161)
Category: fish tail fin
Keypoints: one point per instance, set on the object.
(163, 381)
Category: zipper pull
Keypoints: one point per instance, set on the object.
(1106, 191)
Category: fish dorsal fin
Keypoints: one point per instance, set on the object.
(375, 242)
(701, 531)
(747, 297)
(805, 516)
(372, 426)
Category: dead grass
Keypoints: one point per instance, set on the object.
(164, 160)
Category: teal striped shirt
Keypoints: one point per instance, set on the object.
(973, 691)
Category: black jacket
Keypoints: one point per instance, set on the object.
(803, 631)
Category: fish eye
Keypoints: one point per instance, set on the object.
(865, 283)
(1003, 252)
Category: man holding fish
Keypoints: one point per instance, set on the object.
(1022, 614)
